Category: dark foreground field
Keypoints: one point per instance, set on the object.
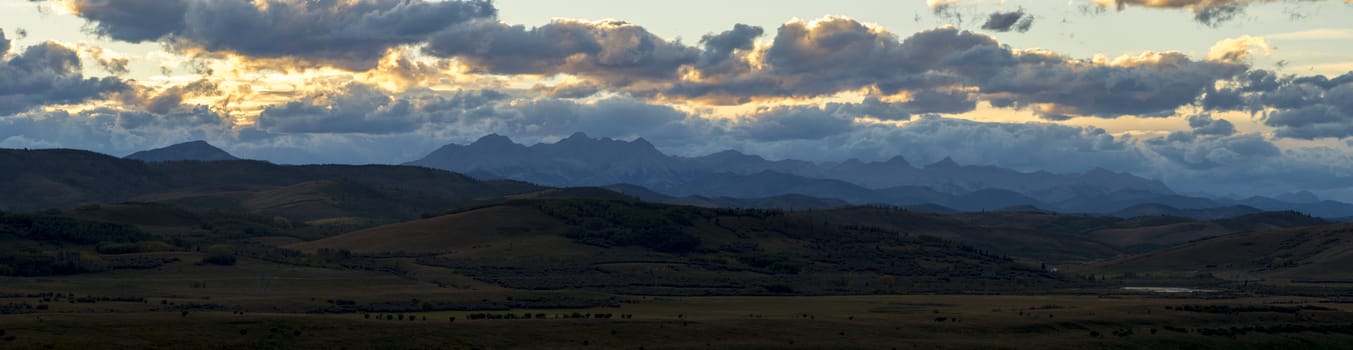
(842, 322)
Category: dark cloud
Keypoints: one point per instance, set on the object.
(793, 123)
(1312, 122)
(1213, 15)
(839, 54)
(1151, 85)
(1302, 107)
(720, 47)
(347, 34)
(134, 20)
(4, 44)
(1209, 12)
(939, 101)
(614, 51)
(873, 107)
(1198, 152)
(1204, 125)
(48, 73)
(815, 59)
(357, 108)
(1019, 21)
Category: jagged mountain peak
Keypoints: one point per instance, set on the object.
(1100, 171)
(642, 142)
(898, 160)
(947, 162)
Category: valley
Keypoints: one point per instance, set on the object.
(252, 254)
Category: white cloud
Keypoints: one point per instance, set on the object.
(1314, 34)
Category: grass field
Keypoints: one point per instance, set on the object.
(185, 305)
(863, 322)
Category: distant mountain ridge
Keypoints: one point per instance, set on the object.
(579, 160)
(192, 150)
(59, 178)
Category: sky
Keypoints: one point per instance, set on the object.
(1219, 97)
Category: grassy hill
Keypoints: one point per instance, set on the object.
(643, 248)
(1309, 253)
(479, 231)
(44, 179)
(1057, 238)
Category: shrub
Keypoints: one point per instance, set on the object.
(220, 254)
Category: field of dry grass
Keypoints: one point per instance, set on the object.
(864, 322)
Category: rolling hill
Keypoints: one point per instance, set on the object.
(43, 179)
(1307, 253)
(1057, 238)
(194, 150)
(782, 202)
(635, 247)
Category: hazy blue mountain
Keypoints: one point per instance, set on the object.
(580, 160)
(1298, 197)
(194, 150)
(1321, 208)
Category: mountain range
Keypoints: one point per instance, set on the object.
(734, 179)
(580, 160)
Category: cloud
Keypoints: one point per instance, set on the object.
(1209, 12)
(720, 49)
(943, 70)
(1213, 151)
(112, 131)
(47, 74)
(578, 89)
(1149, 85)
(793, 123)
(1313, 122)
(4, 44)
(166, 100)
(362, 109)
(108, 60)
(1238, 49)
(1314, 34)
(134, 20)
(937, 4)
(832, 55)
(1203, 124)
(617, 52)
(836, 54)
(346, 34)
(1301, 107)
(1019, 21)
